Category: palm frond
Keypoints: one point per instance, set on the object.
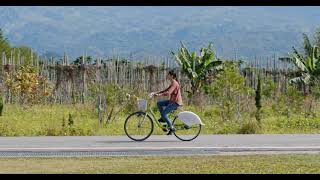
(304, 79)
(307, 45)
(309, 64)
(185, 50)
(177, 58)
(315, 55)
(298, 60)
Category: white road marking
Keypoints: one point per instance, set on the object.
(167, 148)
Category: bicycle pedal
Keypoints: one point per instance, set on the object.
(186, 127)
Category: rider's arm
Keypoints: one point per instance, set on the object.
(163, 90)
(169, 90)
(158, 93)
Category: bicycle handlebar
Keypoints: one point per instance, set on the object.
(151, 95)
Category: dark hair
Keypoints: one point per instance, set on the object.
(173, 74)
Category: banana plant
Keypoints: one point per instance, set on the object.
(198, 68)
(308, 65)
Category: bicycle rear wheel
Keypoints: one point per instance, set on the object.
(184, 132)
(138, 126)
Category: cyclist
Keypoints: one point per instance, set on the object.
(167, 106)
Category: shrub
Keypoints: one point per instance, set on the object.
(268, 87)
(290, 103)
(1, 105)
(70, 120)
(249, 127)
(258, 99)
(229, 91)
(51, 131)
(115, 99)
(27, 85)
(228, 128)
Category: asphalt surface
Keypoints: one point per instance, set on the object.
(72, 146)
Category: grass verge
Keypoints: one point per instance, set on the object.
(248, 164)
(52, 120)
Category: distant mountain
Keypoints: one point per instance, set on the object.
(146, 31)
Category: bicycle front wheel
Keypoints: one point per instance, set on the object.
(184, 132)
(138, 126)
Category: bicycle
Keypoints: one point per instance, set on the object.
(139, 125)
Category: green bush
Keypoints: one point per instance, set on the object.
(70, 129)
(115, 99)
(28, 85)
(299, 122)
(268, 88)
(229, 91)
(258, 99)
(52, 131)
(249, 127)
(4, 129)
(290, 103)
(228, 128)
(1, 105)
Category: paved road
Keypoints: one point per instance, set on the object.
(158, 145)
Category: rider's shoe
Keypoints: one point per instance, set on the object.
(171, 130)
(161, 120)
(164, 129)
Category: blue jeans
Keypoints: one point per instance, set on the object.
(165, 107)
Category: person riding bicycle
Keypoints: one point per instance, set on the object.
(167, 106)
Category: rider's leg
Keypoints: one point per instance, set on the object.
(161, 104)
(170, 107)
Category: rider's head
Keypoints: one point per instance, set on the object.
(171, 75)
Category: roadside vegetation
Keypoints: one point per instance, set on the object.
(219, 93)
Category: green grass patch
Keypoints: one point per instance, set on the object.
(248, 164)
(53, 120)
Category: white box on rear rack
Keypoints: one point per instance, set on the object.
(189, 118)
